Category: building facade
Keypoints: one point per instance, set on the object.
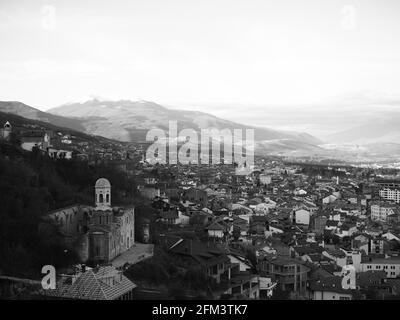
(380, 211)
(290, 274)
(390, 265)
(99, 233)
(390, 194)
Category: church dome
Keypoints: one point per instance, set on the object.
(102, 183)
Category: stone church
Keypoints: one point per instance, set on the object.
(5, 132)
(96, 233)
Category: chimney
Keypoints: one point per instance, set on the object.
(74, 277)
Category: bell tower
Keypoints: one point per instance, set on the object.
(102, 192)
(7, 130)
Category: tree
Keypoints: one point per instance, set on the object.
(280, 294)
(236, 234)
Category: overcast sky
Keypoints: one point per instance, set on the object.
(209, 55)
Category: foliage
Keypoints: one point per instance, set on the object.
(176, 274)
(280, 294)
(31, 184)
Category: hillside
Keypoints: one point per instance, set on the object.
(126, 120)
(23, 110)
(20, 123)
(129, 121)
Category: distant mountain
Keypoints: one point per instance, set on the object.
(126, 120)
(129, 121)
(23, 110)
(382, 129)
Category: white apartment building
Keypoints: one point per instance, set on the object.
(381, 210)
(390, 265)
(390, 194)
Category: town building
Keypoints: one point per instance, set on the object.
(97, 233)
(289, 273)
(100, 283)
(390, 194)
(32, 139)
(5, 132)
(380, 210)
(390, 265)
(329, 288)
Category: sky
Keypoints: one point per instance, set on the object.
(254, 61)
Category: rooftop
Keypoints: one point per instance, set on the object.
(90, 285)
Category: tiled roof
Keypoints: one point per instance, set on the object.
(205, 254)
(216, 226)
(370, 277)
(89, 286)
(331, 284)
(307, 249)
(120, 288)
(337, 253)
(390, 260)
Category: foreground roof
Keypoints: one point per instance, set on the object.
(90, 285)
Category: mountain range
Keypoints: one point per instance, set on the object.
(384, 128)
(129, 121)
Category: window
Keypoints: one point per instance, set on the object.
(101, 198)
(215, 270)
(107, 198)
(392, 267)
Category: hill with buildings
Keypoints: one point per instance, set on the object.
(32, 184)
(23, 110)
(62, 138)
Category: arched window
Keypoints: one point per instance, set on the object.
(107, 198)
(101, 198)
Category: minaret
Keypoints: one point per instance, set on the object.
(102, 192)
(7, 130)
